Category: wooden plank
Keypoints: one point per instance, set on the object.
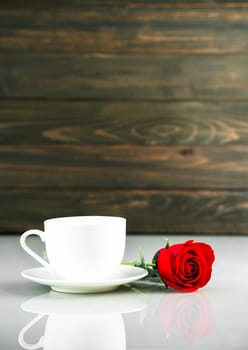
(124, 77)
(116, 30)
(146, 211)
(124, 166)
(113, 123)
(127, 3)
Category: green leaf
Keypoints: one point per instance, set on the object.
(142, 259)
(167, 244)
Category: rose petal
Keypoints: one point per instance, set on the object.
(164, 265)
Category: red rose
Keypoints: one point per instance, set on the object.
(186, 266)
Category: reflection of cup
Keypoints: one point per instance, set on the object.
(188, 315)
(92, 322)
(83, 248)
(63, 332)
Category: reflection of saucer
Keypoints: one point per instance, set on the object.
(73, 321)
(122, 302)
(47, 276)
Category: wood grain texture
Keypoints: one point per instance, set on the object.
(128, 108)
(123, 77)
(146, 211)
(128, 3)
(144, 30)
(124, 166)
(117, 123)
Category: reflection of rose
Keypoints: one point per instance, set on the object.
(188, 315)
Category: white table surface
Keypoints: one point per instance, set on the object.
(142, 316)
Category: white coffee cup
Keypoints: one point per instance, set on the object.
(81, 248)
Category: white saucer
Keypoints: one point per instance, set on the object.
(48, 277)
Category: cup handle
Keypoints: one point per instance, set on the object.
(29, 250)
(21, 340)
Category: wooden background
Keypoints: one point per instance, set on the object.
(134, 108)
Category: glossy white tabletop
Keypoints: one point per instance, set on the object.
(139, 316)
